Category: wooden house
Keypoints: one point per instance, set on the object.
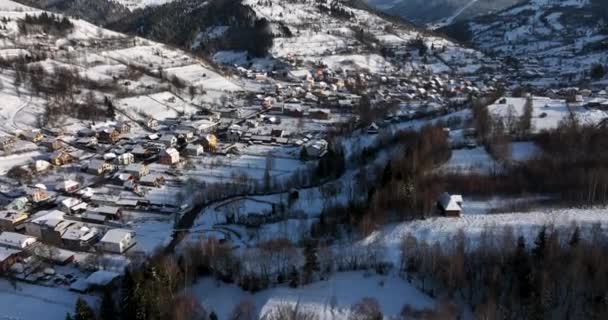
(109, 136)
(169, 156)
(60, 158)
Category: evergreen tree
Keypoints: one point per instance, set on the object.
(311, 264)
(522, 269)
(540, 244)
(83, 311)
(294, 278)
(129, 301)
(107, 309)
(575, 238)
(387, 174)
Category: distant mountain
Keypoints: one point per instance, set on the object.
(440, 12)
(549, 41)
(100, 12)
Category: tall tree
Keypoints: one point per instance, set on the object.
(83, 311)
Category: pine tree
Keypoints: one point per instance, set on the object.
(575, 238)
(129, 301)
(83, 311)
(522, 269)
(311, 264)
(294, 278)
(107, 309)
(540, 244)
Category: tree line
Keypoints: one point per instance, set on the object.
(560, 274)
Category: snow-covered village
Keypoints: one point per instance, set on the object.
(302, 159)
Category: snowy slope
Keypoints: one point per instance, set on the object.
(345, 289)
(435, 12)
(545, 42)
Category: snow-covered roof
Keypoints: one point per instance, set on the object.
(450, 202)
(117, 235)
(5, 253)
(101, 277)
(16, 240)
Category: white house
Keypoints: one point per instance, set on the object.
(450, 205)
(68, 186)
(194, 149)
(16, 240)
(168, 140)
(126, 159)
(117, 240)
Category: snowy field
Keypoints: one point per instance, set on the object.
(525, 224)
(546, 113)
(342, 290)
(30, 302)
(475, 160)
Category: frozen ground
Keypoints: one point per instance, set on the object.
(344, 289)
(30, 302)
(526, 224)
(475, 160)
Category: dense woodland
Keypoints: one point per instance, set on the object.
(557, 275)
(179, 23)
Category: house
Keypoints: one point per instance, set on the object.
(123, 127)
(8, 257)
(67, 186)
(7, 143)
(60, 158)
(152, 124)
(317, 113)
(41, 166)
(19, 204)
(39, 225)
(117, 240)
(234, 133)
(152, 180)
(87, 141)
(126, 159)
(195, 150)
(80, 237)
(32, 136)
(373, 128)
(37, 194)
(169, 156)
(450, 205)
(52, 144)
(137, 170)
(277, 133)
(16, 240)
(141, 152)
(185, 134)
(95, 218)
(112, 212)
(102, 280)
(9, 219)
(72, 205)
(109, 135)
(168, 140)
(315, 148)
(99, 167)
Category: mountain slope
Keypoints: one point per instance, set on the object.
(545, 41)
(440, 11)
(100, 12)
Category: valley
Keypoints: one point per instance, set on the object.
(301, 159)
